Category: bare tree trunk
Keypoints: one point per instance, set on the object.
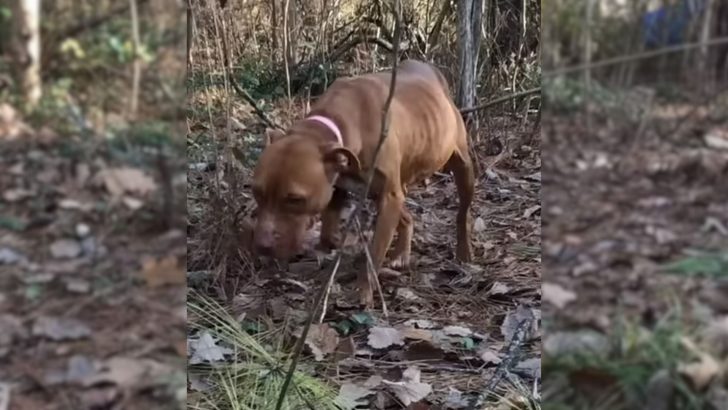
(27, 49)
(190, 37)
(469, 20)
(704, 65)
(721, 30)
(274, 25)
(292, 26)
(137, 64)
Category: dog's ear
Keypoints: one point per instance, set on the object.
(342, 160)
(272, 135)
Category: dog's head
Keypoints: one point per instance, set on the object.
(292, 184)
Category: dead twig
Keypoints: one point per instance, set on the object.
(327, 292)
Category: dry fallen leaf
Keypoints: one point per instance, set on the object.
(123, 180)
(322, 340)
(382, 337)
(206, 350)
(557, 295)
(15, 195)
(166, 271)
(417, 334)
(479, 225)
(701, 373)
(352, 395)
(409, 390)
(457, 331)
(127, 373)
(498, 288)
(489, 356)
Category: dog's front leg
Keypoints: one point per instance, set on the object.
(390, 207)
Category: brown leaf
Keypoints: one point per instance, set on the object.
(383, 337)
(127, 372)
(120, 181)
(322, 340)
(557, 295)
(166, 271)
(702, 372)
(409, 390)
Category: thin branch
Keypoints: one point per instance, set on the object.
(635, 57)
(501, 100)
(250, 100)
(390, 96)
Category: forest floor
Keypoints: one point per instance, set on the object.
(635, 290)
(449, 324)
(92, 277)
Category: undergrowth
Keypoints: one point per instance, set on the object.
(257, 370)
(619, 378)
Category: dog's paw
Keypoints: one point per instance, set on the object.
(400, 262)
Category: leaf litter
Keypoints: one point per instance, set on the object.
(72, 319)
(648, 225)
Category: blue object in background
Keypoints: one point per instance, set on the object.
(667, 26)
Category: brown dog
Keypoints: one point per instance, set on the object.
(298, 174)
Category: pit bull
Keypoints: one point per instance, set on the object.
(299, 173)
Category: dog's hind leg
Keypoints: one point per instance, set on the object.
(461, 166)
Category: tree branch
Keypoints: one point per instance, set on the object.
(500, 100)
(634, 57)
(250, 100)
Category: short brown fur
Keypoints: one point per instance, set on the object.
(295, 176)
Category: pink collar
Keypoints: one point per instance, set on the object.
(330, 125)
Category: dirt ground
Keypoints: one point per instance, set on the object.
(92, 295)
(455, 322)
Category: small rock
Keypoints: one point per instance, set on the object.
(82, 230)
(78, 286)
(89, 246)
(9, 256)
(57, 328)
(11, 329)
(576, 342)
(660, 391)
(66, 249)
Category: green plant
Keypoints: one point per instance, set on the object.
(707, 264)
(254, 376)
(636, 354)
